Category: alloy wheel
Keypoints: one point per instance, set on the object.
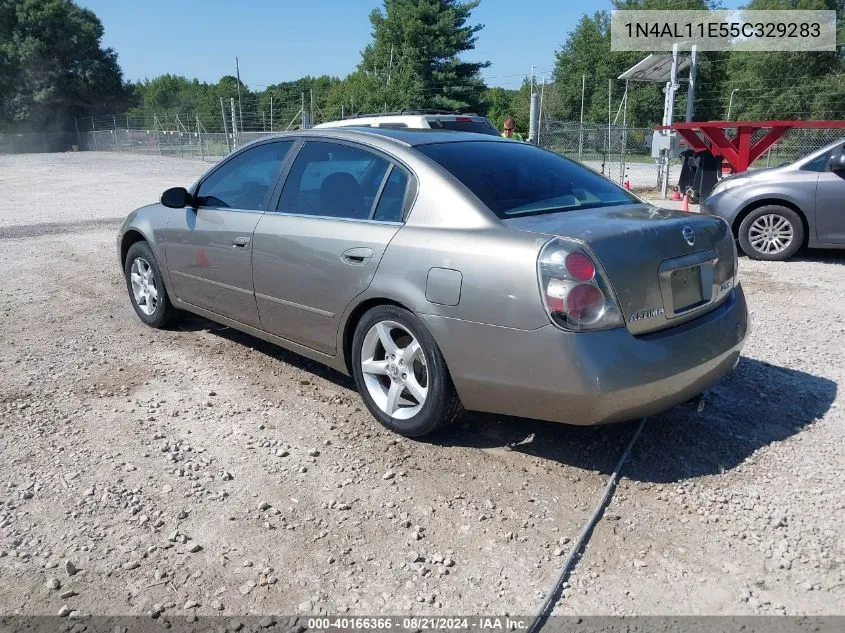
(770, 234)
(144, 288)
(394, 369)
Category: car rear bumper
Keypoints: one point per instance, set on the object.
(590, 378)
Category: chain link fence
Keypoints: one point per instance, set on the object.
(621, 153)
(174, 143)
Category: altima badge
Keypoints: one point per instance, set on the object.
(688, 235)
(650, 313)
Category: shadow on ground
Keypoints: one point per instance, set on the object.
(823, 255)
(756, 405)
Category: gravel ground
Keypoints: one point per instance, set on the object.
(199, 470)
(85, 188)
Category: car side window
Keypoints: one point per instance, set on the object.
(245, 181)
(392, 200)
(332, 180)
(819, 163)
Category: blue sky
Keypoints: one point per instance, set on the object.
(279, 40)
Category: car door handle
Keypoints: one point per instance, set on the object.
(357, 256)
(240, 242)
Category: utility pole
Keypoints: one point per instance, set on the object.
(671, 87)
(240, 111)
(624, 134)
(302, 110)
(581, 127)
(390, 65)
(532, 111)
(341, 111)
(540, 114)
(609, 107)
(78, 137)
(311, 111)
(691, 92)
(730, 103)
(234, 125)
(225, 131)
(271, 114)
(199, 136)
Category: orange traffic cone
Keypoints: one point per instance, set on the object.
(676, 194)
(685, 203)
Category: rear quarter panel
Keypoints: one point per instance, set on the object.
(498, 269)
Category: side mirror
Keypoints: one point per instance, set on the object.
(836, 162)
(176, 198)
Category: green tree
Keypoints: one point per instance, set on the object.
(414, 58)
(779, 85)
(586, 53)
(53, 67)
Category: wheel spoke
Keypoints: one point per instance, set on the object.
(410, 352)
(385, 338)
(377, 367)
(393, 396)
(152, 291)
(415, 389)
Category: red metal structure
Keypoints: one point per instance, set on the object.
(739, 151)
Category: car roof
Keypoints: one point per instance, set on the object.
(410, 137)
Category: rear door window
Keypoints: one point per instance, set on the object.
(391, 203)
(333, 180)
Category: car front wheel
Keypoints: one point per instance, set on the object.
(146, 286)
(401, 373)
(772, 233)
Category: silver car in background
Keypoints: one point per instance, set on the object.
(774, 212)
(447, 271)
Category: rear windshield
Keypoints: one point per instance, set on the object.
(481, 126)
(516, 179)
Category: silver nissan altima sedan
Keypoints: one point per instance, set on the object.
(447, 271)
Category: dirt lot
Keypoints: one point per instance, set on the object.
(199, 470)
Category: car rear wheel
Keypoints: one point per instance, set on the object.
(146, 286)
(401, 373)
(772, 233)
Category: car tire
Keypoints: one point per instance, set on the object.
(771, 233)
(407, 389)
(146, 287)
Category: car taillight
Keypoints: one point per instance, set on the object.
(575, 290)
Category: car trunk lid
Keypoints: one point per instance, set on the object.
(665, 266)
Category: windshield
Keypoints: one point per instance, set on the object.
(515, 179)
